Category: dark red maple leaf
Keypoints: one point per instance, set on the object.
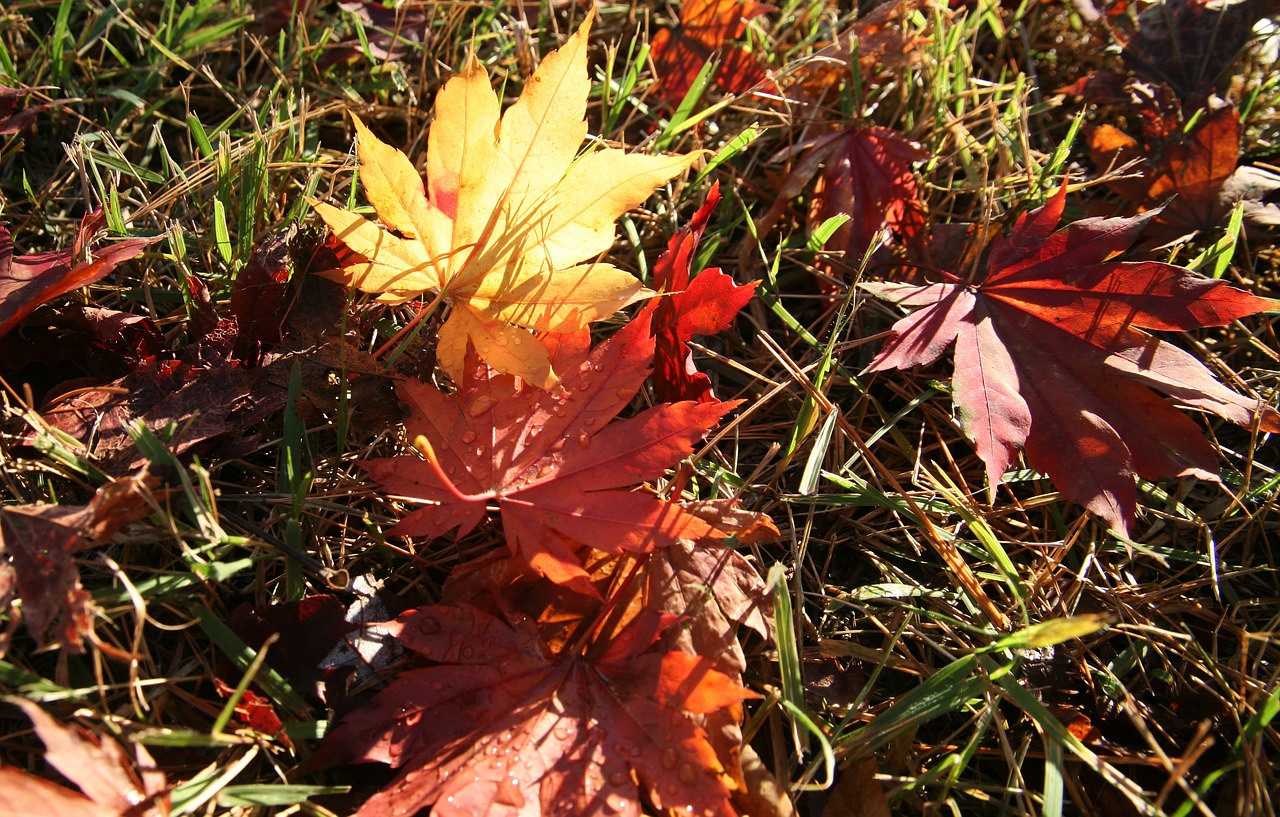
(865, 174)
(1051, 358)
(1200, 170)
(504, 723)
(111, 785)
(26, 281)
(707, 28)
(703, 305)
(548, 460)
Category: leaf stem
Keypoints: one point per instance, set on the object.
(424, 446)
(426, 310)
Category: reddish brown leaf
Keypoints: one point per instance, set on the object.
(26, 281)
(40, 540)
(548, 460)
(865, 174)
(707, 28)
(868, 177)
(40, 572)
(111, 786)
(1198, 170)
(258, 295)
(1051, 357)
(502, 724)
(11, 119)
(705, 305)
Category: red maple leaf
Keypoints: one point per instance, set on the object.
(26, 281)
(506, 723)
(866, 175)
(705, 305)
(1051, 358)
(548, 460)
(707, 28)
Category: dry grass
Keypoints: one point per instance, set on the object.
(211, 122)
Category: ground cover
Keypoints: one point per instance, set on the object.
(718, 408)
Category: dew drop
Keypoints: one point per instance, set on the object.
(617, 802)
(438, 686)
(687, 774)
(624, 394)
(468, 651)
(501, 340)
(480, 405)
(468, 437)
(428, 625)
(584, 366)
(584, 440)
(544, 470)
(518, 340)
(670, 758)
(558, 411)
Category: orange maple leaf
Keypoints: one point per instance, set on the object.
(507, 722)
(509, 215)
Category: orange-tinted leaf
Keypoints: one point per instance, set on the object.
(256, 712)
(704, 305)
(27, 281)
(548, 460)
(502, 724)
(511, 221)
(1051, 358)
(707, 28)
(111, 786)
(1198, 170)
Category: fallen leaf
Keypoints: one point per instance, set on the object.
(257, 713)
(1051, 358)
(707, 29)
(509, 214)
(110, 784)
(880, 38)
(702, 305)
(40, 541)
(390, 34)
(11, 119)
(27, 281)
(1189, 44)
(864, 171)
(551, 462)
(1199, 170)
(502, 724)
(867, 175)
(258, 295)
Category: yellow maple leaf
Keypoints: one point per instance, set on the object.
(511, 219)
